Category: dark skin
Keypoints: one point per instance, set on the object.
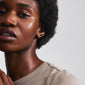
(20, 54)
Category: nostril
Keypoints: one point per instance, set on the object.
(10, 25)
(8, 22)
(5, 25)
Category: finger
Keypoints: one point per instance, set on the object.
(10, 80)
(1, 83)
(4, 78)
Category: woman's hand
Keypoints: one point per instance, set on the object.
(4, 79)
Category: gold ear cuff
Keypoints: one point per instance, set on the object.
(43, 33)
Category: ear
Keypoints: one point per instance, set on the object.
(40, 32)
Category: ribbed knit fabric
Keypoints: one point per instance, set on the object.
(48, 74)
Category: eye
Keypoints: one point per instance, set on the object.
(23, 15)
(2, 11)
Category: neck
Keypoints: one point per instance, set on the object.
(19, 64)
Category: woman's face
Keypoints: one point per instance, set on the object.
(19, 23)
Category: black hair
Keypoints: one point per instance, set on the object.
(48, 18)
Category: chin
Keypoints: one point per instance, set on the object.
(5, 50)
(12, 49)
(9, 47)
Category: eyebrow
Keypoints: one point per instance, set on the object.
(23, 5)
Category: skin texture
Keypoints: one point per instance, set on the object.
(5, 80)
(20, 55)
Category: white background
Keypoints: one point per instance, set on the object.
(67, 48)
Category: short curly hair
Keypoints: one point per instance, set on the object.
(48, 18)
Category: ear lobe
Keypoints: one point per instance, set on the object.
(40, 32)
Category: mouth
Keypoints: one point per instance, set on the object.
(7, 34)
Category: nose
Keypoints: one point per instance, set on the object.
(9, 20)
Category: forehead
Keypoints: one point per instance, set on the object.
(12, 3)
(19, 1)
(27, 3)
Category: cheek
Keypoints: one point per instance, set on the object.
(32, 23)
(28, 30)
(29, 27)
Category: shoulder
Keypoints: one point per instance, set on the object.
(59, 76)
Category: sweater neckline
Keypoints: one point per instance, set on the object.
(30, 75)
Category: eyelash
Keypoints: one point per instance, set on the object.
(21, 15)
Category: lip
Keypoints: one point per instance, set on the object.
(11, 36)
(7, 38)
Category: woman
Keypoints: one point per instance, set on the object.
(26, 25)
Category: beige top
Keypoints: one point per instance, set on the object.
(48, 74)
